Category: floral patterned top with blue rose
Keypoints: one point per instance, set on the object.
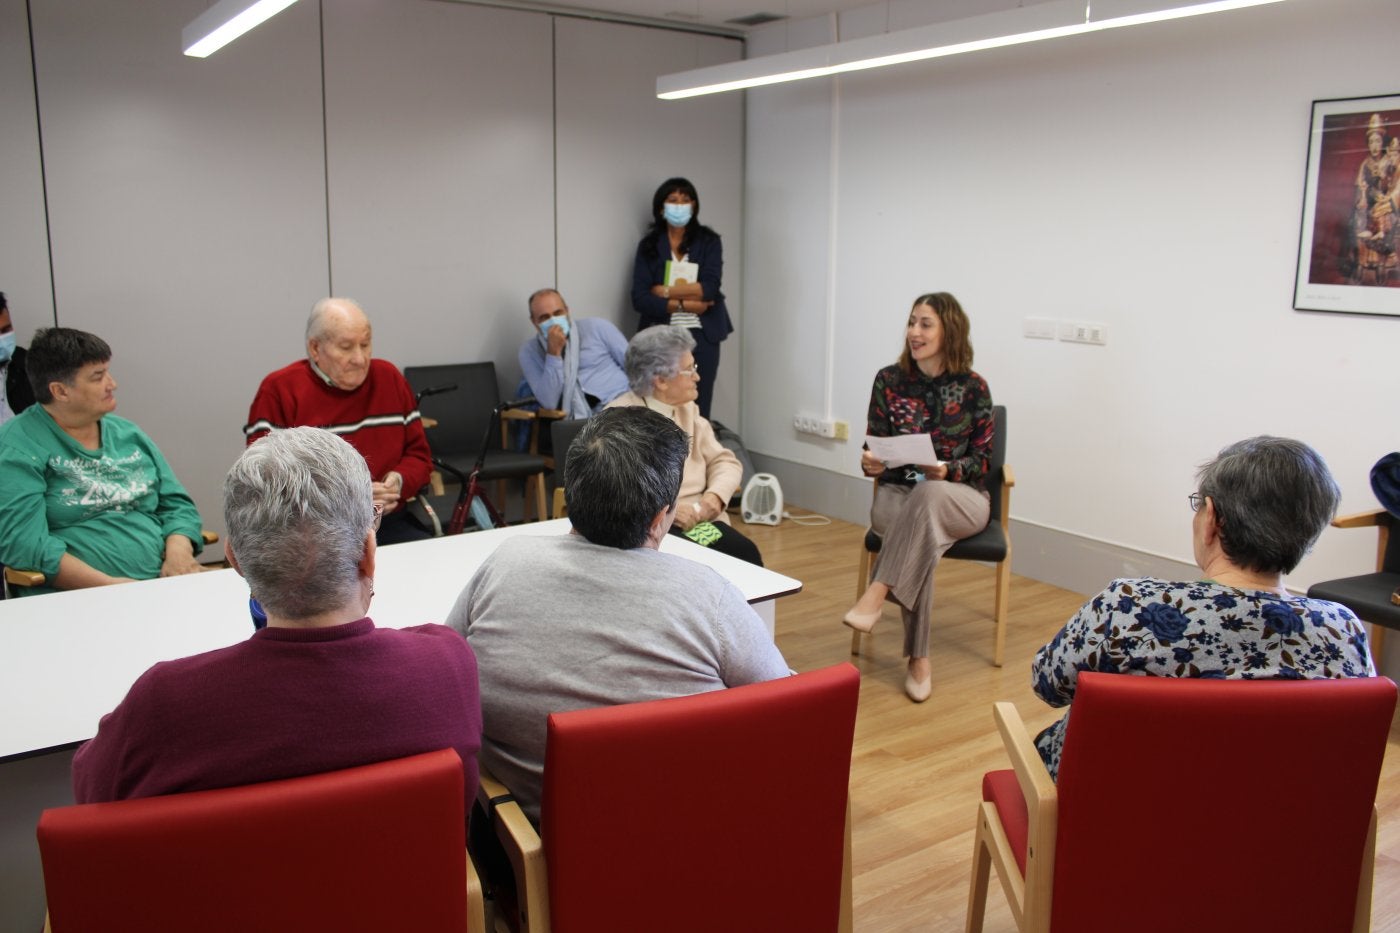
(955, 408)
(1153, 628)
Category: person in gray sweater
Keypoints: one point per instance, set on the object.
(601, 617)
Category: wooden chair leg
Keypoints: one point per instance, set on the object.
(476, 902)
(845, 922)
(540, 508)
(1361, 922)
(981, 877)
(1002, 601)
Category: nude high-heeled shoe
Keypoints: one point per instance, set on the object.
(862, 622)
(918, 690)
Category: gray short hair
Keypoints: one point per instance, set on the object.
(655, 351)
(316, 321)
(299, 503)
(623, 468)
(1272, 496)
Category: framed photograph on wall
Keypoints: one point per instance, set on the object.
(1347, 248)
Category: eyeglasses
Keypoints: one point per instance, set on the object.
(1197, 500)
(692, 372)
(378, 516)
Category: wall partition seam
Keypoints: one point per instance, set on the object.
(833, 203)
(554, 131)
(325, 146)
(43, 170)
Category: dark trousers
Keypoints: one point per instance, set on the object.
(732, 542)
(397, 527)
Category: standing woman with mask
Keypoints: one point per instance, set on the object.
(696, 303)
(920, 511)
(14, 377)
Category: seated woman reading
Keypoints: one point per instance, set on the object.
(86, 498)
(1259, 506)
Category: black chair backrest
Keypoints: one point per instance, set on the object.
(562, 434)
(462, 415)
(998, 460)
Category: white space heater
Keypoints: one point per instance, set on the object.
(762, 503)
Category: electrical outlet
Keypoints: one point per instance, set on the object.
(821, 427)
(1084, 332)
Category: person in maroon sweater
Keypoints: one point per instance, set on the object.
(321, 687)
(342, 388)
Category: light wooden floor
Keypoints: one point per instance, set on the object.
(916, 771)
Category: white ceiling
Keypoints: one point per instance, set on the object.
(721, 13)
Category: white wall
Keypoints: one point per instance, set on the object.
(440, 141)
(24, 258)
(403, 152)
(1150, 179)
(187, 210)
(616, 143)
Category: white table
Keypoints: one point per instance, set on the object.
(66, 659)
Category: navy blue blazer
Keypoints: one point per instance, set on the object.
(706, 251)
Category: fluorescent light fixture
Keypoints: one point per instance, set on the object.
(225, 21)
(1049, 20)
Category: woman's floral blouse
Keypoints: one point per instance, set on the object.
(1204, 629)
(956, 408)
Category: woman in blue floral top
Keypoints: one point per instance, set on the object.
(1259, 507)
(919, 512)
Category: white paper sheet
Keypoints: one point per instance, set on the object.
(904, 448)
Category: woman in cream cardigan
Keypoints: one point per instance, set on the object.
(661, 371)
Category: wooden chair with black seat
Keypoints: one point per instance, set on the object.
(376, 847)
(991, 545)
(24, 579)
(1213, 806)
(462, 423)
(1374, 597)
(641, 830)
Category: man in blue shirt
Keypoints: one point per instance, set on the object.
(572, 365)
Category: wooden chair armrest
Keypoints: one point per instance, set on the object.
(551, 414)
(1008, 477)
(517, 414)
(1025, 760)
(428, 422)
(522, 847)
(16, 577)
(209, 537)
(1362, 519)
(1042, 811)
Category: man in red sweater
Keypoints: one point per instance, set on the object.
(342, 388)
(321, 687)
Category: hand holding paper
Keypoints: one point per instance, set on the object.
(904, 448)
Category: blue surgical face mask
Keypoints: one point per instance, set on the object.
(561, 322)
(7, 346)
(677, 215)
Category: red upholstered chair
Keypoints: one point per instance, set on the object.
(1204, 805)
(722, 811)
(373, 848)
